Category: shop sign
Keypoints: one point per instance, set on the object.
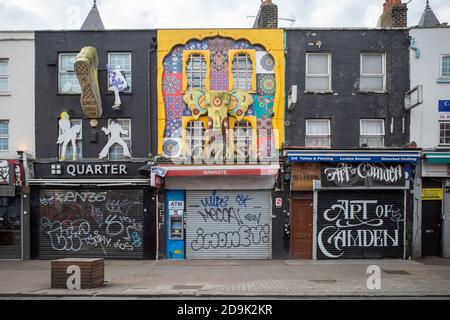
(432, 194)
(444, 109)
(279, 202)
(303, 176)
(363, 175)
(176, 205)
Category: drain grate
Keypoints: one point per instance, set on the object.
(324, 281)
(186, 287)
(399, 272)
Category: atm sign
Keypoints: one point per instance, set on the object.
(176, 205)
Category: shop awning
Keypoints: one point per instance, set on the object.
(393, 156)
(220, 170)
(7, 191)
(438, 157)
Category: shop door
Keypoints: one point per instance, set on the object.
(228, 224)
(101, 223)
(301, 229)
(10, 228)
(431, 228)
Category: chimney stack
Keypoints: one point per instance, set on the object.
(267, 16)
(395, 15)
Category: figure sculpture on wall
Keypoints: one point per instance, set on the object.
(114, 130)
(117, 83)
(67, 134)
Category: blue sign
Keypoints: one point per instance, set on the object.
(326, 158)
(444, 105)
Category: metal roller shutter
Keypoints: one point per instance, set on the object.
(360, 224)
(228, 225)
(91, 223)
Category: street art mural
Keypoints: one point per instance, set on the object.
(220, 93)
(4, 172)
(91, 223)
(360, 224)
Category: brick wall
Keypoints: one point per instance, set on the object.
(395, 16)
(267, 16)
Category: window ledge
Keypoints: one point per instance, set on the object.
(372, 92)
(318, 92)
(443, 80)
(68, 94)
(5, 93)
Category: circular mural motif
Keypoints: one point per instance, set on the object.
(267, 62)
(171, 148)
(171, 84)
(267, 84)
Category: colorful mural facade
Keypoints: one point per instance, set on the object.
(239, 78)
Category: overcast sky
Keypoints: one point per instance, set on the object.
(146, 14)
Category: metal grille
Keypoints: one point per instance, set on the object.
(243, 136)
(242, 72)
(360, 224)
(228, 225)
(91, 223)
(196, 71)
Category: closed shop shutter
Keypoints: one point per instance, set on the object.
(91, 223)
(360, 224)
(228, 225)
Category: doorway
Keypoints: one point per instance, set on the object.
(431, 228)
(301, 228)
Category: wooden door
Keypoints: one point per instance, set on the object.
(301, 229)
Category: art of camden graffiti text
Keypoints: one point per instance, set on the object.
(240, 219)
(108, 223)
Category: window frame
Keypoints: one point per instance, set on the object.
(308, 135)
(124, 139)
(130, 87)
(440, 143)
(5, 76)
(373, 75)
(60, 72)
(79, 139)
(441, 66)
(7, 136)
(383, 135)
(206, 55)
(313, 75)
(252, 57)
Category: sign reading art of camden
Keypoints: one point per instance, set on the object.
(363, 175)
(360, 224)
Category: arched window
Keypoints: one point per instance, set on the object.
(242, 69)
(196, 71)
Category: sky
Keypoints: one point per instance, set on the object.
(160, 14)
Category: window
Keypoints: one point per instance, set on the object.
(68, 81)
(318, 133)
(318, 72)
(444, 135)
(242, 70)
(243, 137)
(196, 71)
(445, 66)
(372, 133)
(373, 72)
(4, 77)
(4, 135)
(195, 133)
(78, 141)
(116, 150)
(122, 61)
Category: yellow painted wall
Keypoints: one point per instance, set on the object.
(271, 39)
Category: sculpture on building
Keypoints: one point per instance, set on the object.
(67, 133)
(116, 83)
(115, 131)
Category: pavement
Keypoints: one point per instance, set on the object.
(285, 279)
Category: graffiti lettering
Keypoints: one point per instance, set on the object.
(242, 199)
(215, 201)
(227, 215)
(74, 197)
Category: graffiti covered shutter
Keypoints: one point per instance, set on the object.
(91, 223)
(360, 224)
(228, 225)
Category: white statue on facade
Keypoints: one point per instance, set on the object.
(117, 83)
(67, 134)
(115, 130)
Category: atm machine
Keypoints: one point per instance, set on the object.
(175, 224)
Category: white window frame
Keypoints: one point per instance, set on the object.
(127, 73)
(373, 75)
(310, 135)
(5, 135)
(190, 73)
(312, 75)
(440, 143)
(79, 141)
(441, 66)
(361, 135)
(247, 71)
(5, 76)
(126, 139)
(65, 72)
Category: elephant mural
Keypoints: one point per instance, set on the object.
(218, 106)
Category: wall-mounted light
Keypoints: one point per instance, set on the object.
(93, 123)
(292, 97)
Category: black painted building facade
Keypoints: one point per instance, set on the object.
(348, 170)
(82, 205)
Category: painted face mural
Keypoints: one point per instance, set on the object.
(219, 99)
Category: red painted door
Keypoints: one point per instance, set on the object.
(301, 229)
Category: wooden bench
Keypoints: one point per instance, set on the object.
(92, 272)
